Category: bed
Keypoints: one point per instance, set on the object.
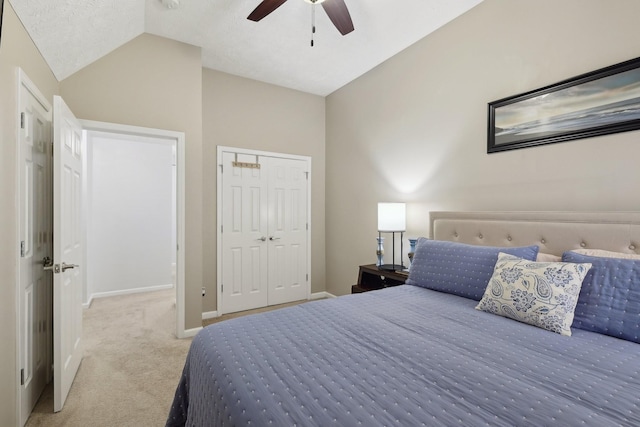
(431, 352)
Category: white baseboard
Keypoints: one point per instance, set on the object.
(128, 291)
(316, 295)
(209, 315)
(321, 295)
(87, 304)
(189, 333)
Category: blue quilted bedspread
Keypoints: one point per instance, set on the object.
(403, 356)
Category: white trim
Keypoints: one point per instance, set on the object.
(130, 291)
(250, 152)
(22, 80)
(210, 315)
(221, 149)
(191, 332)
(309, 177)
(321, 295)
(314, 296)
(179, 137)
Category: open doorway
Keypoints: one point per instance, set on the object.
(135, 206)
(131, 214)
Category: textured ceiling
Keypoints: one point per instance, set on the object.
(71, 34)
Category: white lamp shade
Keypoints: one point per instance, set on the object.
(392, 217)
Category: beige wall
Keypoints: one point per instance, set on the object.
(414, 128)
(243, 113)
(16, 50)
(153, 82)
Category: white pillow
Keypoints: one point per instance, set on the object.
(605, 254)
(542, 257)
(542, 294)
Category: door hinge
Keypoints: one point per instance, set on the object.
(307, 277)
(21, 120)
(222, 228)
(307, 226)
(21, 376)
(22, 249)
(221, 288)
(307, 175)
(221, 168)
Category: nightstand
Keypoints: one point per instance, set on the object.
(371, 278)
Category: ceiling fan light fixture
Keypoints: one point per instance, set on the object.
(336, 10)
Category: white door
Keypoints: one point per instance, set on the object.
(35, 245)
(244, 243)
(264, 235)
(67, 249)
(287, 201)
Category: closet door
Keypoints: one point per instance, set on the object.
(244, 234)
(264, 230)
(287, 200)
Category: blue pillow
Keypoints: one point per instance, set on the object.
(609, 301)
(457, 268)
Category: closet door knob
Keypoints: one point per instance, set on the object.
(274, 238)
(262, 239)
(66, 266)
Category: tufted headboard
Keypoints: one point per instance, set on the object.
(553, 232)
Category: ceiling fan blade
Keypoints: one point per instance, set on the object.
(339, 15)
(265, 8)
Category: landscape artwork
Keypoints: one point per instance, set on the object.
(586, 106)
(1, 9)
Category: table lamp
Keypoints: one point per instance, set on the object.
(392, 218)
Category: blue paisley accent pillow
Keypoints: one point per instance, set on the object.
(458, 268)
(542, 294)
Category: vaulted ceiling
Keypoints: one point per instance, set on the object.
(72, 34)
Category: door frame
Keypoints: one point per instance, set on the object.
(179, 138)
(221, 149)
(24, 80)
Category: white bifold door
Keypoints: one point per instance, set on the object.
(264, 230)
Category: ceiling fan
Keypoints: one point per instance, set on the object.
(335, 9)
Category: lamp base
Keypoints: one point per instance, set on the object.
(391, 267)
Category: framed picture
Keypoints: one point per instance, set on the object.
(601, 102)
(1, 10)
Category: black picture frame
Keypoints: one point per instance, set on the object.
(1, 15)
(601, 102)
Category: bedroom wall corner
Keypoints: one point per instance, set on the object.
(413, 129)
(154, 82)
(16, 50)
(244, 113)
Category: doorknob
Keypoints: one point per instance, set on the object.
(273, 238)
(48, 265)
(262, 239)
(66, 266)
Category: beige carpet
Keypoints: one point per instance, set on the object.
(131, 367)
(132, 364)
